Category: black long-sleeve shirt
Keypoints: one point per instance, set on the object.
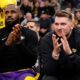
(18, 56)
(66, 65)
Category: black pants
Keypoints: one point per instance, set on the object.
(48, 78)
(60, 78)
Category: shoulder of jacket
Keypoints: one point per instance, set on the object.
(48, 35)
(76, 32)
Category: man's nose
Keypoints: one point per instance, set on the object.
(59, 26)
(9, 14)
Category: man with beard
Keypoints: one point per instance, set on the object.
(60, 50)
(17, 45)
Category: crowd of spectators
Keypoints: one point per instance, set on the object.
(34, 19)
(43, 11)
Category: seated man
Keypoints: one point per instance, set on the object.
(60, 50)
(17, 45)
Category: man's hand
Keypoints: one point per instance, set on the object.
(57, 49)
(65, 44)
(14, 36)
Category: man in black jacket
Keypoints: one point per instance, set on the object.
(17, 45)
(60, 50)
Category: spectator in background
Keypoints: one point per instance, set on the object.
(18, 2)
(25, 7)
(66, 3)
(75, 3)
(49, 8)
(34, 26)
(77, 15)
(68, 9)
(77, 12)
(45, 23)
(45, 6)
(27, 17)
(36, 9)
(55, 5)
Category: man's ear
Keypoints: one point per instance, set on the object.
(72, 25)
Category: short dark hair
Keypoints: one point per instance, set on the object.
(36, 22)
(63, 13)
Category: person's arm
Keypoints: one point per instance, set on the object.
(57, 47)
(10, 40)
(73, 55)
(45, 51)
(28, 45)
(74, 58)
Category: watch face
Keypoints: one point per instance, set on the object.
(74, 50)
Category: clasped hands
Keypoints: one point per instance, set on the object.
(57, 46)
(14, 35)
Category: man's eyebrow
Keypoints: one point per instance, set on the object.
(11, 10)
